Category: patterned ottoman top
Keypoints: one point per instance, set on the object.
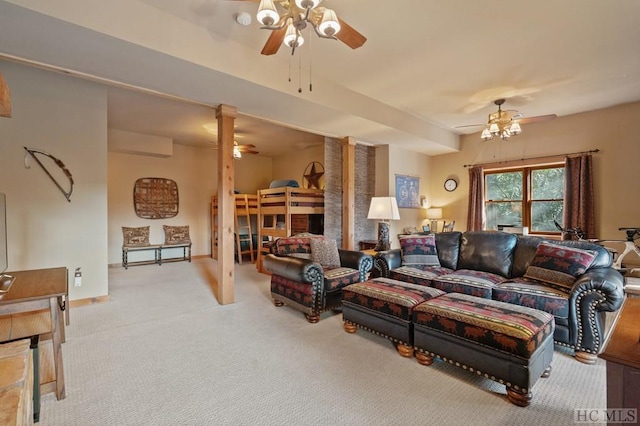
(511, 328)
(393, 291)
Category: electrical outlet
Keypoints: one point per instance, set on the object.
(77, 279)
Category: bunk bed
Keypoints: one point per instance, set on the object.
(287, 211)
(245, 217)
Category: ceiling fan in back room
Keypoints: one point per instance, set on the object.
(287, 22)
(239, 149)
(506, 123)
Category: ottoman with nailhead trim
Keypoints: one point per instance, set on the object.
(384, 307)
(510, 344)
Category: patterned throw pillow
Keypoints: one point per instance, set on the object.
(419, 251)
(559, 265)
(176, 234)
(325, 251)
(135, 237)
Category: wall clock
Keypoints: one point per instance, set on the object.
(450, 185)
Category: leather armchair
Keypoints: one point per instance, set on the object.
(308, 286)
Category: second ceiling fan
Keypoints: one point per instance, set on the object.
(506, 123)
(287, 22)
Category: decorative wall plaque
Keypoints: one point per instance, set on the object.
(155, 198)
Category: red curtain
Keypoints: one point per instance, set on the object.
(475, 215)
(579, 205)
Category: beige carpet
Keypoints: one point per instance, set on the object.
(163, 352)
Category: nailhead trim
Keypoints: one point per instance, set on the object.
(472, 369)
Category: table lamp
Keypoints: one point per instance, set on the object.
(434, 214)
(385, 209)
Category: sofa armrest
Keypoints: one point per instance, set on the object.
(595, 292)
(361, 261)
(293, 268)
(388, 260)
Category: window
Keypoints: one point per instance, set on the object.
(527, 196)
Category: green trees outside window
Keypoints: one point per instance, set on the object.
(527, 196)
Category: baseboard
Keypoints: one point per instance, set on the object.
(89, 301)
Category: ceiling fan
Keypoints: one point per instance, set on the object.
(287, 22)
(239, 149)
(506, 123)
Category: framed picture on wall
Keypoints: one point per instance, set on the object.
(408, 191)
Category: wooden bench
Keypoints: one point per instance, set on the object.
(157, 254)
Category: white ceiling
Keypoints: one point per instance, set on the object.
(427, 66)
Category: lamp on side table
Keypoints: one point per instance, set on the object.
(384, 209)
(434, 214)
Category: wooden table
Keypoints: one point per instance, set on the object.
(622, 354)
(36, 290)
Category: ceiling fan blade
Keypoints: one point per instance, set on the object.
(274, 42)
(247, 151)
(537, 118)
(349, 36)
(246, 145)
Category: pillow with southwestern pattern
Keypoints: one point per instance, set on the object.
(135, 237)
(325, 251)
(559, 265)
(176, 234)
(419, 250)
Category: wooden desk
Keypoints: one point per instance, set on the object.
(36, 290)
(623, 358)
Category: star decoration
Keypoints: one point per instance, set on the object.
(313, 177)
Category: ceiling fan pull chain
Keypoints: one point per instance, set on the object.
(300, 73)
(310, 58)
(289, 69)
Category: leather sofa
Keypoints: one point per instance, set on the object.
(308, 283)
(499, 265)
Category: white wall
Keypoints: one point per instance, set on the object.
(292, 165)
(67, 118)
(397, 161)
(194, 171)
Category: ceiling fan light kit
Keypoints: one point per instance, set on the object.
(501, 123)
(288, 25)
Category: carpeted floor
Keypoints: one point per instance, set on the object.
(163, 352)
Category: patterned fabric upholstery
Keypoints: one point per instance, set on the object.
(537, 295)
(475, 283)
(390, 297)
(513, 329)
(422, 276)
(324, 251)
(293, 245)
(176, 234)
(559, 265)
(419, 250)
(296, 291)
(338, 277)
(135, 237)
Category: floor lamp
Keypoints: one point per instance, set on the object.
(384, 209)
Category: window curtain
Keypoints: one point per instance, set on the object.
(475, 215)
(579, 206)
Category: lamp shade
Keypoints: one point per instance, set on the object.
(434, 213)
(384, 208)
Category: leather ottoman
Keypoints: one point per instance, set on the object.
(384, 307)
(507, 343)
